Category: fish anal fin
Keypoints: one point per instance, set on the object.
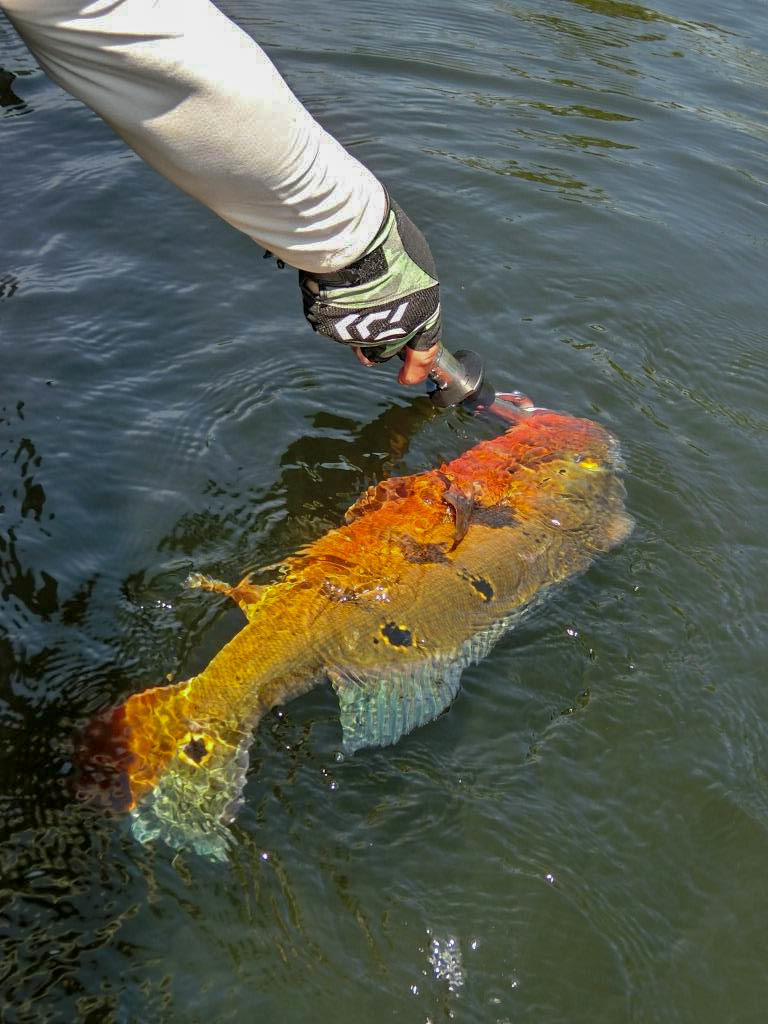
(376, 710)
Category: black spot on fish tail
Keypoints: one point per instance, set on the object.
(396, 635)
(196, 749)
(494, 516)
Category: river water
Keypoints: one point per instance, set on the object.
(584, 837)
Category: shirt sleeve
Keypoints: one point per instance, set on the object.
(202, 103)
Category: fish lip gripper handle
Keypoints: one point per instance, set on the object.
(460, 379)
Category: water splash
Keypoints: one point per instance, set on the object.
(446, 960)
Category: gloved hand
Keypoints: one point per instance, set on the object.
(386, 300)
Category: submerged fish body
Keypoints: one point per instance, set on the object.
(427, 572)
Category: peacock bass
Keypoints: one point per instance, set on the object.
(425, 575)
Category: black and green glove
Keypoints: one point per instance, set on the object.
(386, 299)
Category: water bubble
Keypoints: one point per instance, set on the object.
(551, 878)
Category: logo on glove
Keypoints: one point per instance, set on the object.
(347, 323)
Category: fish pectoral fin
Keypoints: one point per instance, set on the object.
(460, 504)
(246, 594)
(376, 710)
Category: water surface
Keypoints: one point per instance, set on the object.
(584, 836)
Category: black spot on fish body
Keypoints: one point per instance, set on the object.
(196, 749)
(396, 635)
(481, 585)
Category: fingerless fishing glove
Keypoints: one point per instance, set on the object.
(386, 299)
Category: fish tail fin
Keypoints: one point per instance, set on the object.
(179, 772)
(121, 747)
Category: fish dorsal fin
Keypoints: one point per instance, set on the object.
(376, 710)
(394, 489)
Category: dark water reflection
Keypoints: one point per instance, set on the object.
(582, 838)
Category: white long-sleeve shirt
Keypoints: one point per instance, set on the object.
(202, 103)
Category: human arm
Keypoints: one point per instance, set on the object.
(201, 102)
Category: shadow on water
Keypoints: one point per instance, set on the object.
(618, 9)
(11, 103)
(320, 470)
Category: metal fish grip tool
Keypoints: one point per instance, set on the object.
(459, 378)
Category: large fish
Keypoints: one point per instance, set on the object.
(425, 575)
